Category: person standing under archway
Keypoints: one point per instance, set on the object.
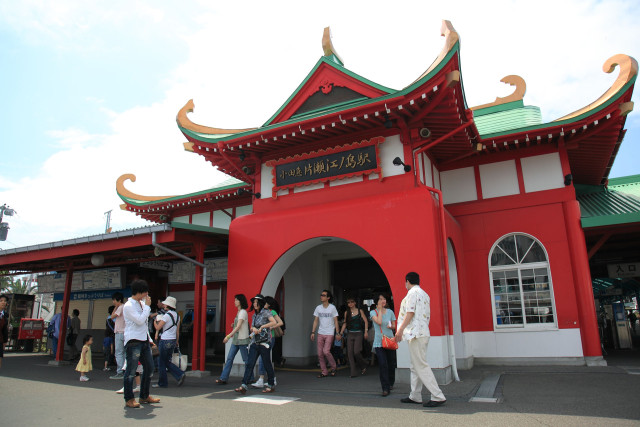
(326, 322)
(355, 322)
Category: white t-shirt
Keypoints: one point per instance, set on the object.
(168, 329)
(326, 325)
(243, 332)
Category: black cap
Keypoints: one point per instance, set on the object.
(259, 296)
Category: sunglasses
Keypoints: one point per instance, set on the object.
(323, 295)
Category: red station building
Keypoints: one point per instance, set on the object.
(350, 185)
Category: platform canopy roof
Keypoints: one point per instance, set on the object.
(116, 249)
(334, 106)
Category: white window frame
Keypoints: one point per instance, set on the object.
(519, 267)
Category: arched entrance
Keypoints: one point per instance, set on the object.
(304, 271)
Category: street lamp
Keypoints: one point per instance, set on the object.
(4, 226)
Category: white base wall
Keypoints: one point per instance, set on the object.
(529, 344)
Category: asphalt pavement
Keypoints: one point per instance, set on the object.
(34, 392)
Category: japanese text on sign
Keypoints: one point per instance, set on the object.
(359, 159)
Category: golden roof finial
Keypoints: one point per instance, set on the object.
(517, 95)
(185, 123)
(327, 46)
(122, 191)
(451, 37)
(628, 70)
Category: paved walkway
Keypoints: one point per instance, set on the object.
(34, 392)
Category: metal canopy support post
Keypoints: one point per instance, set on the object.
(196, 364)
(202, 339)
(64, 314)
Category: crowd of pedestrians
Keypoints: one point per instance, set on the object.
(133, 335)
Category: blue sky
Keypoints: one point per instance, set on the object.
(90, 90)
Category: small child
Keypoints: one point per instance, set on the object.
(84, 364)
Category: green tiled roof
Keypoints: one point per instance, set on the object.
(619, 203)
(227, 184)
(501, 118)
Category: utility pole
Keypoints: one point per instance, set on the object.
(4, 226)
(107, 229)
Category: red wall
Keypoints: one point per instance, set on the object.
(479, 233)
(399, 230)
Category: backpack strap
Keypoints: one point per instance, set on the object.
(173, 320)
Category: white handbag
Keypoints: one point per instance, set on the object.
(180, 360)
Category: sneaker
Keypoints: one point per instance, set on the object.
(84, 378)
(137, 389)
(121, 391)
(275, 382)
(106, 369)
(258, 384)
(117, 376)
(181, 380)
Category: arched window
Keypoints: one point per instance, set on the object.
(521, 284)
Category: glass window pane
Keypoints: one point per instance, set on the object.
(523, 243)
(508, 245)
(536, 254)
(499, 257)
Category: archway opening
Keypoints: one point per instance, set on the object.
(299, 276)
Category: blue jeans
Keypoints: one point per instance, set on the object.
(119, 347)
(387, 363)
(256, 350)
(166, 348)
(54, 346)
(137, 351)
(261, 370)
(233, 350)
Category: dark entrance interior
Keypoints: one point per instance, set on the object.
(360, 278)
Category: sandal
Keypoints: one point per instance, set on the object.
(268, 389)
(322, 376)
(220, 382)
(333, 372)
(241, 390)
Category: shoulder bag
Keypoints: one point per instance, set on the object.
(388, 343)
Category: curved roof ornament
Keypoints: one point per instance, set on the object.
(628, 71)
(122, 191)
(451, 37)
(184, 122)
(327, 47)
(517, 95)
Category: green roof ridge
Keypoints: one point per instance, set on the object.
(566, 121)
(497, 108)
(623, 180)
(199, 193)
(337, 66)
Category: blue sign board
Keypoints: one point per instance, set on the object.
(91, 295)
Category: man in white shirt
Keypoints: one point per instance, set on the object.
(325, 320)
(137, 343)
(413, 321)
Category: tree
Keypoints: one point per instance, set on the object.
(5, 281)
(10, 285)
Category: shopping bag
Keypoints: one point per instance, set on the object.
(180, 360)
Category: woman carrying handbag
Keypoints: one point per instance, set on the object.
(384, 321)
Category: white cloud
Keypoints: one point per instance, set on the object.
(245, 59)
